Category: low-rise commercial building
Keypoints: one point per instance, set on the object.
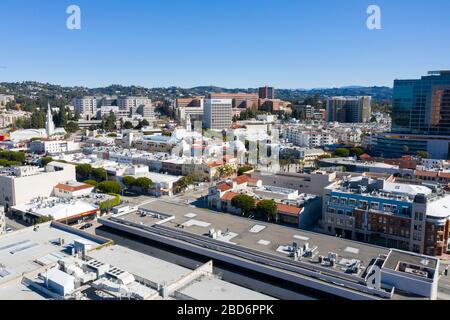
(67, 211)
(53, 146)
(20, 185)
(382, 211)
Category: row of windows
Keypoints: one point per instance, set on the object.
(362, 204)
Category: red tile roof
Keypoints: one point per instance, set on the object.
(229, 196)
(70, 188)
(432, 174)
(444, 175)
(241, 179)
(286, 209)
(215, 164)
(224, 187)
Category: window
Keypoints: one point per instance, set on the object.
(363, 204)
(405, 211)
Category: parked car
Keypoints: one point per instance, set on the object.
(86, 226)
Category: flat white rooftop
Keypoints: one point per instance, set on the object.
(212, 288)
(20, 250)
(140, 264)
(162, 272)
(57, 208)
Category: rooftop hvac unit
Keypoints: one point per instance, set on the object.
(332, 256)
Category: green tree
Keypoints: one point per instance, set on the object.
(76, 116)
(13, 156)
(225, 171)
(99, 174)
(72, 127)
(91, 182)
(244, 169)
(356, 151)
(44, 219)
(127, 125)
(195, 177)
(46, 160)
(243, 202)
(109, 122)
(37, 120)
(7, 163)
(128, 181)
(22, 123)
(423, 154)
(62, 117)
(109, 187)
(143, 183)
(107, 205)
(267, 209)
(342, 152)
(84, 170)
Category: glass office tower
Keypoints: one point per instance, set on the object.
(422, 106)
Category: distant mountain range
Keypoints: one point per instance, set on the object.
(37, 90)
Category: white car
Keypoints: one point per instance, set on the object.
(9, 230)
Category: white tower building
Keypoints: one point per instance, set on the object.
(49, 124)
(188, 123)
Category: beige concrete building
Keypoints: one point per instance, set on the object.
(20, 185)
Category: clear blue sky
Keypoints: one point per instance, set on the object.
(231, 43)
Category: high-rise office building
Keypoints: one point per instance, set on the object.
(422, 106)
(266, 92)
(133, 103)
(85, 106)
(420, 118)
(217, 114)
(349, 109)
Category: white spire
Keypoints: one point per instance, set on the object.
(49, 124)
(188, 123)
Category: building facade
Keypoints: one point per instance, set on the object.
(4, 99)
(422, 106)
(266, 92)
(239, 100)
(53, 146)
(349, 109)
(132, 104)
(387, 213)
(21, 184)
(420, 118)
(218, 114)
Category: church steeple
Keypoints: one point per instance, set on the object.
(49, 124)
(188, 123)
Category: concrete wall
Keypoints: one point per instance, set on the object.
(20, 190)
(415, 285)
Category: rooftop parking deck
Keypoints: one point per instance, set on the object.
(268, 239)
(269, 248)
